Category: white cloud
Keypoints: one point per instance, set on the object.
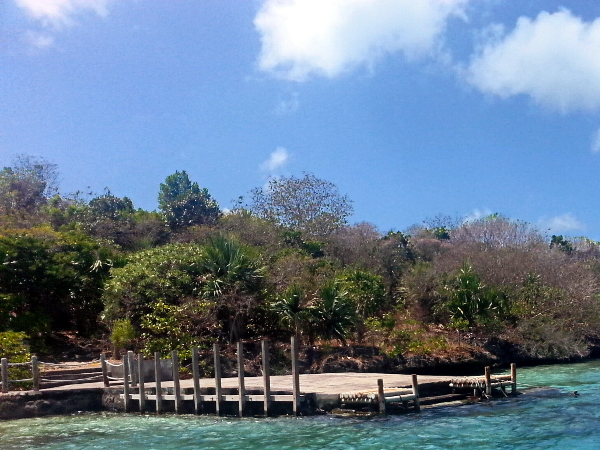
(301, 38)
(276, 160)
(554, 59)
(39, 40)
(477, 214)
(560, 224)
(61, 12)
(596, 142)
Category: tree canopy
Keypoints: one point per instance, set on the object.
(307, 204)
(184, 204)
(288, 264)
(26, 185)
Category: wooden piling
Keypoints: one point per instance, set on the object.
(4, 369)
(126, 396)
(157, 378)
(513, 378)
(35, 373)
(241, 387)
(104, 370)
(196, 377)
(218, 391)
(488, 381)
(131, 362)
(141, 383)
(295, 376)
(381, 396)
(415, 391)
(266, 376)
(176, 385)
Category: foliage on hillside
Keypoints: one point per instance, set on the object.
(190, 275)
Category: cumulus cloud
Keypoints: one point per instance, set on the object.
(39, 40)
(554, 59)
(596, 142)
(477, 214)
(301, 38)
(561, 224)
(276, 160)
(61, 12)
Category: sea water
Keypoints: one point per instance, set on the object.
(539, 419)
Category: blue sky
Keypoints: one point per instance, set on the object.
(412, 108)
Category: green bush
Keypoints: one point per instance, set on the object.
(13, 349)
(122, 334)
(170, 327)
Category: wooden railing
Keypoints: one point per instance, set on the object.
(132, 377)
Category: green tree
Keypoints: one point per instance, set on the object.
(333, 314)
(170, 273)
(51, 280)
(365, 290)
(306, 204)
(291, 308)
(111, 207)
(122, 334)
(561, 243)
(26, 185)
(469, 300)
(231, 277)
(184, 204)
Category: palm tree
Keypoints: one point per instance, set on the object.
(231, 278)
(290, 308)
(334, 315)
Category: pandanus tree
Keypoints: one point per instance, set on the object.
(333, 314)
(291, 309)
(469, 300)
(366, 292)
(231, 277)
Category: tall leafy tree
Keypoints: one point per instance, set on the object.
(26, 185)
(169, 274)
(51, 280)
(306, 204)
(184, 203)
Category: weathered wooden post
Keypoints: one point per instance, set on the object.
(141, 383)
(241, 387)
(513, 378)
(176, 386)
(4, 369)
(35, 373)
(196, 376)
(381, 396)
(157, 378)
(218, 393)
(126, 396)
(131, 362)
(104, 370)
(415, 391)
(488, 381)
(266, 375)
(295, 376)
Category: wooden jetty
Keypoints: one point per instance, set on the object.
(483, 386)
(135, 384)
(158, 394)
(382, 396)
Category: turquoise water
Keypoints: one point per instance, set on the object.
(546, 419)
